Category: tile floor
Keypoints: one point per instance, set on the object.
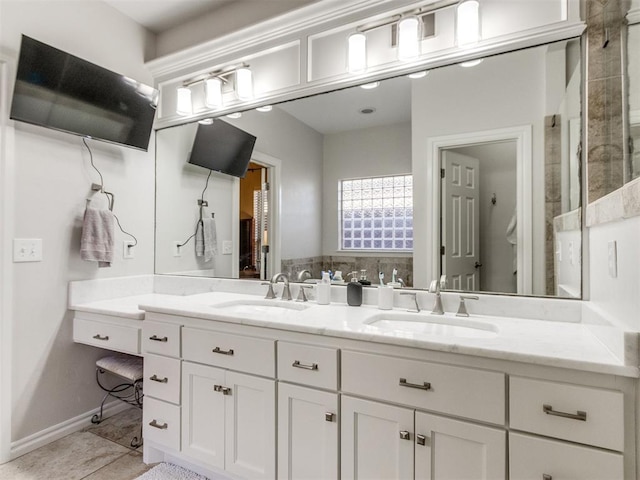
(99, 452)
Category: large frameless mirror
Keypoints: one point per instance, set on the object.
(345, 181)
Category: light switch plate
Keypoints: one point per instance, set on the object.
(227, 247)
(27, 249)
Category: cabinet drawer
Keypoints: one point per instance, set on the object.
(532, 458)
(161, 338)
(309, 365)
(582, 414)
(161, 423)
(245, 354)
(120, 338)
(458, 391)
(162, 378)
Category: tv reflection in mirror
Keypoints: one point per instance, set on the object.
(223, 148)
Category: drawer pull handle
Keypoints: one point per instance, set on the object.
(421, 439)
(223, 352)
(329, 417)
(155, 338)
(155, 424)
(546, 477)
(404, 435)
(224, 390)
(159, 380)
(548, 409)
(297, 364)
(424, 386)
(100, 337)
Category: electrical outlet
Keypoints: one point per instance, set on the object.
(613, 259)
(177, 249)
(128, 250)
(227, 247)
(27, 249)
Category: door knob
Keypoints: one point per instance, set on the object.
(477, 265)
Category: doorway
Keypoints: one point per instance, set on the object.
(478, 221)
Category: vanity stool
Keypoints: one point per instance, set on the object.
(129, 368)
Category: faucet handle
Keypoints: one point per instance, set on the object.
(270, 293)
(443, 282)
(286, 292)
(434, 287)
(302, 297)
(415, 301)
(462, 308)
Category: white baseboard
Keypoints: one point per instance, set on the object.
(55, 432)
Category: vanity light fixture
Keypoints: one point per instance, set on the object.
(266, 108)
(184, 106)
(244, 83)
(213, 92)
(357, 52)
(206, 121)
(234, 115)
(409, 38)
(468, 23)
(213, 83)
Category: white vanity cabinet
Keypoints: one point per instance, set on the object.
(308, 421)
(229, 417)
(392, 442)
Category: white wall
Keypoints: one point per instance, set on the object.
(370, 152)
(300, 150)
(619, 297)
(179, 185)
(53, 378)
(516, 97)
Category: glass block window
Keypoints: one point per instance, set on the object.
(377, 213)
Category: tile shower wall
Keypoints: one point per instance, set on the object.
(347, 264)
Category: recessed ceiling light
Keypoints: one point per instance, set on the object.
(206, 121)
(266, 108)
(367, 110)
(235, 115)
(418, 74)
(471, 63)
(369, 86)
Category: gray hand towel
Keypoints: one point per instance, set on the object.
(96, 243)
(210, 238)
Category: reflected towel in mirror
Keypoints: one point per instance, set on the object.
(206, 239)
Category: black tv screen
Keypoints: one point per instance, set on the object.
(223, 148)
(57, 90)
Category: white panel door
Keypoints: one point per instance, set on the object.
(460, 221)
(454, 450)
(203, 418)
(250, 425)
(307, 433)
(376, 441)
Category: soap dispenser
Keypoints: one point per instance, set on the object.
(354, 291)
(323, 290)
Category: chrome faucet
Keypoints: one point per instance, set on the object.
(286, 292)
(303, 275)
(462, 308)
(437, 305)
(415, 301)
(270, 293)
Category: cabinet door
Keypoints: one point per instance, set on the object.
(307, 433)
(203, 413)
(454, 450)
(250, 411)
(376, 441)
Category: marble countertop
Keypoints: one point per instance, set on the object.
(553, 343)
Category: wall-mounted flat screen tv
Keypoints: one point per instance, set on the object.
(222, 147)
(57, 90)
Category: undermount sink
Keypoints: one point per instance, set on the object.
(433, 325)
(260, 306)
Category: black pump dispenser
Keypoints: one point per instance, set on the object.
(354, 293)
